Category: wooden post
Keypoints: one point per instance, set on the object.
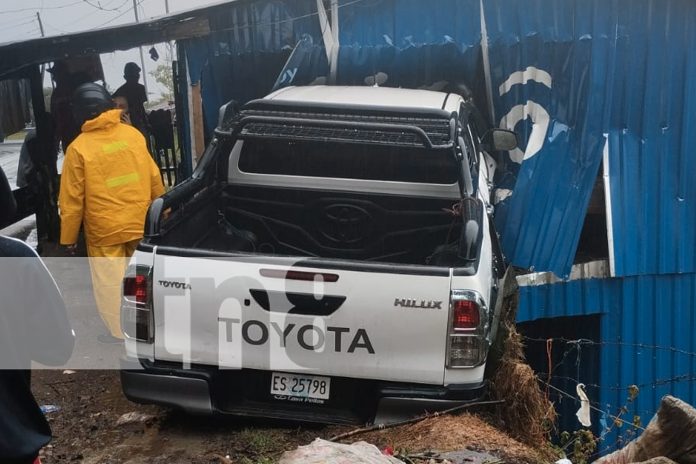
(197, 120)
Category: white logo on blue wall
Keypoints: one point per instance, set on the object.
(531, 109)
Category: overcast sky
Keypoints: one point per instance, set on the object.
(18, 22)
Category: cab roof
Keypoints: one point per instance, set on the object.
(378, 97)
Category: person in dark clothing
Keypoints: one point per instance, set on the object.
(135, 93)
(66, 129)
(33, 327)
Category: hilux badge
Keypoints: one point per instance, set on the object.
(422, 304)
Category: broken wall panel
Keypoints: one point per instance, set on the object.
(548, 69)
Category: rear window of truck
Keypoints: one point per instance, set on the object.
(348, 161)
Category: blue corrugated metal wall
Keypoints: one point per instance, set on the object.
(646, 337)
(651, 150)
(594, 68)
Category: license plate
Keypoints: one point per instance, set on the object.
(301, 386)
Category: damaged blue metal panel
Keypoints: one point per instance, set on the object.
(575, 298)
(548, 69)
(646, 336)
(621, 68)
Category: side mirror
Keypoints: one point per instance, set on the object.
(500, 140)
(227, 112)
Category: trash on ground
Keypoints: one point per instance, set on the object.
(134, 417)
(469, 457)
(69, 372)
(49, 408)
(326, 452)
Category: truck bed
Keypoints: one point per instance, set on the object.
(323, 224)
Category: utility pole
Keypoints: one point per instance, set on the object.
(38, 17)
(170, 46)
(43, 66)
(142, 60)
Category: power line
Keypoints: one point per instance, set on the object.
(98, 6)
(14, 22)
(29, 21)
(282, 21)
(91, 13)
(116, 17)
(42, 8)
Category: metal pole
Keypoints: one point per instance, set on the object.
(170, 46)
(334, 49)
(43, 66)
(142, 60)
(38, 16)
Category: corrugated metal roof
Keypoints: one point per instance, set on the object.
(647, 335)
(192, 23)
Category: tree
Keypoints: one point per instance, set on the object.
(163, 76)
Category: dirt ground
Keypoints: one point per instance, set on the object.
(91, 402)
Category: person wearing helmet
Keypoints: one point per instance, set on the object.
(109, 180)
(135, 94)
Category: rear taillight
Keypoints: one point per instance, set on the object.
(136, 289)
(137, 320)
(467, 342)
(465, 315)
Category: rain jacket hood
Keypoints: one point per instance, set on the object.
(109, 180)
(104, 121)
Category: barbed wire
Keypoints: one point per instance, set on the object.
(585, 341)
(592, 405)
(657, 383)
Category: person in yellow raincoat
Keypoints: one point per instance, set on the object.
(109, 180)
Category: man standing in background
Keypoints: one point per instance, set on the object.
(65, 126)
(135, 94)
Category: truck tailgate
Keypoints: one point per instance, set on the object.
(354, 320)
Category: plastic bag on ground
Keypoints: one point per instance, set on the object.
(327, 452)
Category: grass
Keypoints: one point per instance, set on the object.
(258, 441)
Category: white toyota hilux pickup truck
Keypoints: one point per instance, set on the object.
(332, 256)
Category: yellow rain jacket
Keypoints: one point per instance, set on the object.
(109, 180)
